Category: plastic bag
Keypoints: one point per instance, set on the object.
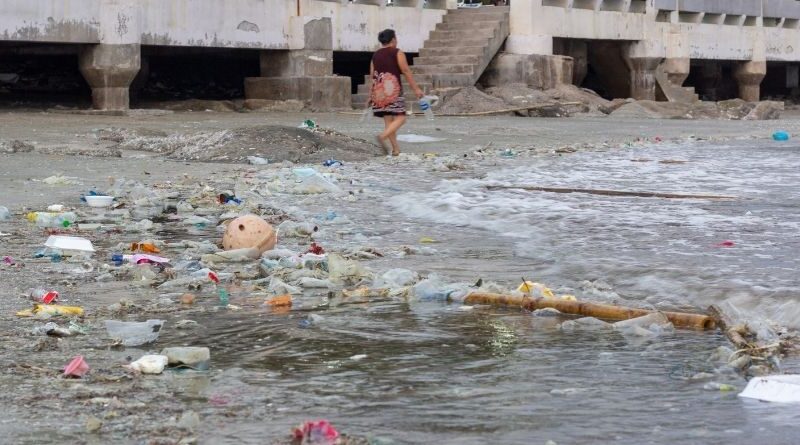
(348, 272)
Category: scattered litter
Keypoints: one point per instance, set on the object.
(332, 163)
(61, 180)
(726, 243)
(650, 325)
(132, 333)
(51, 310)
(417, 138)
(249, 231)
(191, 356)
(43, 296)
(139, 258)
(319, 432)
(69, 243)
(149, 364)
(99, 200)
(358, 357)
(4, 213)
(76, 368)
(774, 388)
(255, 160)
(780, 136)
(308, 124)
(280, 301)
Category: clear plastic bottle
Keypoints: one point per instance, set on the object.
(425, 106)
(50, 219)
(4, 213)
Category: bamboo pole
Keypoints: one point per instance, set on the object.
(602, 311)
(606, 192)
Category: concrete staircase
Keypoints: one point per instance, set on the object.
(456, 52)
(672, 91)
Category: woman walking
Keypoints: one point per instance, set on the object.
(386, 94)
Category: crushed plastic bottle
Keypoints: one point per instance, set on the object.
(132, 333)
(52, 219)
(43, 296)
(139, 258)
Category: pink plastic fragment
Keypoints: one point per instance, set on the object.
(77, 367)
(319, 432)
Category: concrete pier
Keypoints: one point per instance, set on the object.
(109, 71)
(749, 76)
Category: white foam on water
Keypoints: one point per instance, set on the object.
(653, 249)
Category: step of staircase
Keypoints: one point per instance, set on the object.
(455, 26)
(447, 60)
(468, 19)
(457, 35)
(461, 50)
(443, 69)
(448, 43)
(456, 53)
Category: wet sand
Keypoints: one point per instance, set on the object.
(429, 367)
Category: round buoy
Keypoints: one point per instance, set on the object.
(249, 231)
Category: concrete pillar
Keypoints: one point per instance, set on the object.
(303, 73)
(642, 59)
(677, 69)
(110, 66)
(749, 76)
(643, 77)
(109, 71)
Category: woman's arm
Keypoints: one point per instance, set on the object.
(403, 63)
(369, 83)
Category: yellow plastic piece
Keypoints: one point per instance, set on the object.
(51, 309)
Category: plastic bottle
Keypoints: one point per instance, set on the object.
(425, 106)
(140, 258)
(49, 219)
(4, 213)
(43, 296)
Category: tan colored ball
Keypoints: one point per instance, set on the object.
(249, 231)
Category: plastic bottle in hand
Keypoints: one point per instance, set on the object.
(425, 106)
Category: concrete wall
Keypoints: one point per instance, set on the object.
(266, 24)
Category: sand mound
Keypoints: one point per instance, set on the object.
(471, 100)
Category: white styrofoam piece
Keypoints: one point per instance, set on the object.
(69, 243)
(774, 388)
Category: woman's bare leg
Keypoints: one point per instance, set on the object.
(382, 140)
(391, 132)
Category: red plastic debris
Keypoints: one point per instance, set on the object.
(319, 432)
(316, 249)
(77, 367)
(726, 243)
(8, 260)
(213, 277)
(50, 297)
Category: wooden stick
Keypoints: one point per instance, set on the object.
(602, 311)
(606, 192)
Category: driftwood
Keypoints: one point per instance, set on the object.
(602, 311)
(606, 192)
